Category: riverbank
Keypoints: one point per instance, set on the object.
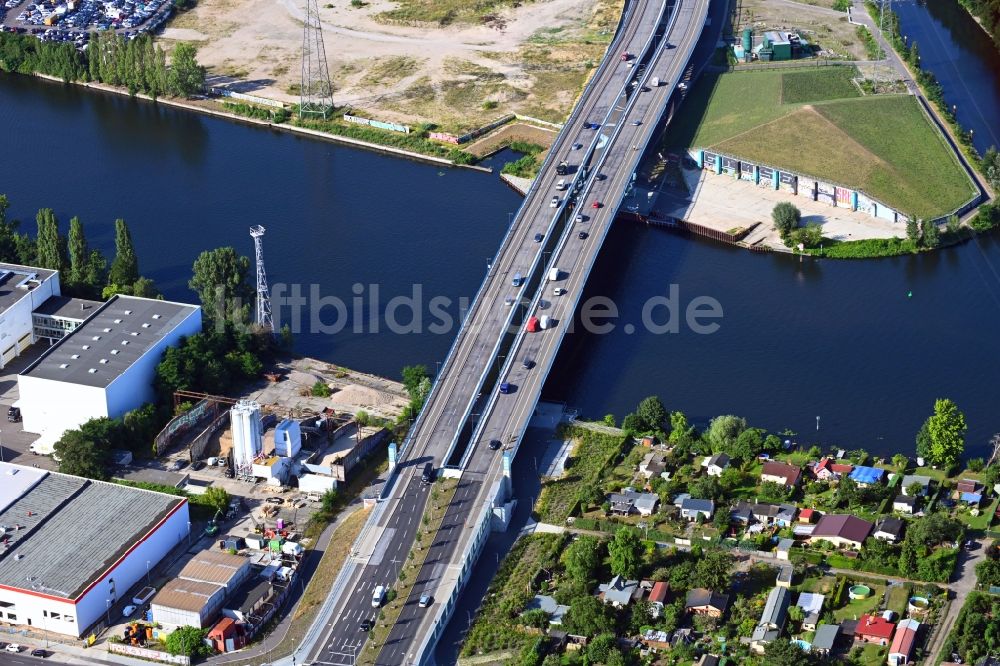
(205, 106)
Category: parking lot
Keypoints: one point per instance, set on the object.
(15, 444)
(74, 20)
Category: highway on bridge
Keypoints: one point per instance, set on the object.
(529, 362)
(616, 146)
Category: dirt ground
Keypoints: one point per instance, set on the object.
(532, 59)
(816, 21)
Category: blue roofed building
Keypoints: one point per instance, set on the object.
(866, 476)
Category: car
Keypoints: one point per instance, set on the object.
(177, 465)
(582, 235)
(274, 500)
(600, 177)
(596, 204)
(128, 610)
(366, 625)
(229, 473)
(39, 652)
(198, 464)
(580, 219)
(636, 122)
(494, 444)
(552, 204)
(14, 414)
(506, 387)
(527, 364)
(577, 146)
(509, 301)
(558, 291)
(3, 646)
(538, 238)
(13, 647)
(378, 596)
(425, 600)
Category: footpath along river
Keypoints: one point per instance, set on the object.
(797, 340)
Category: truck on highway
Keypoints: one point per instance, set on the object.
(553, 274)
(378, 596)
(562, 168)
(655, 82)
(545, 322)
(561, 185)
(626, 56)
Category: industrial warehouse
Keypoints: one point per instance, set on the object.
(72, 548)
(103, 368)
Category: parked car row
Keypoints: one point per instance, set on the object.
(73, 20)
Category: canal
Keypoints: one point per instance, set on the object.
(866, 347)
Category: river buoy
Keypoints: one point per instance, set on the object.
(909, 294)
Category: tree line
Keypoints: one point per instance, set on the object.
(988, 13)
(110, 58)
(83, 271)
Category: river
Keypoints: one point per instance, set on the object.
(866, 346)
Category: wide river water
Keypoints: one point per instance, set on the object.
(865, 346)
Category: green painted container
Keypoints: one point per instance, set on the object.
(747, 39)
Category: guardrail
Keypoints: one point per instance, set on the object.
(339, 585)
(475, 546)
(477, 432)
(560, 212)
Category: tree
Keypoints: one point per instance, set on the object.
(8, 233)
(79, 254)
(795, 613)
(991, 165)
(723, 431)
(786, 217)
(912, 230)
(216, 497)
(924, 443)
(582, 558)
(810, 235)
(931, 234)
(588, 616)
(188, 641)
(706, 487)
(220, 280)
(946, 430)
(413, 375)
(975, 465)
(713, 569)
(609, 420)
(320, 389)
(80, 454)
(187, 77)
(125, 267)
(625, 550)
(50, 246)
(679, 427)
(652, 412)
(899, 461)
(748, 445)
(362, 418)
(782, 652)
(914, 489)
(600, 647)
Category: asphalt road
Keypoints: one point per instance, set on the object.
(508, 415)
(460, 381)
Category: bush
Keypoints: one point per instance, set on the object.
(786, 217)
(320, 389)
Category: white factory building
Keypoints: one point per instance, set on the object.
(105, 367)
(22, 290)
(73, 548)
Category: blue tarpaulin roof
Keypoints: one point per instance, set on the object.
(863, 474)
(974, 498)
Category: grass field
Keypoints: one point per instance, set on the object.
(814, 121)
(816, 85)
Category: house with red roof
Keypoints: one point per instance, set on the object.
(809, 515)
(874, 629)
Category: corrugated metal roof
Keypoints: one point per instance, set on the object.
(214, 566)
(186, 595)
(81, 535)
